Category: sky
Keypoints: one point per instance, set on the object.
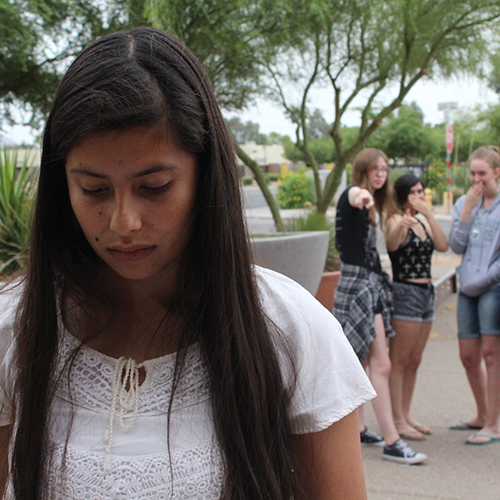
(467, 92)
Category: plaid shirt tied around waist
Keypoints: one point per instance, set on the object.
(360, 294)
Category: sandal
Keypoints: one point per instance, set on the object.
(485, 439)
(463, 425)
(422, 428)
(412, 434)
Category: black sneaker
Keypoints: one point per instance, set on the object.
(402, 453)
(370, 437)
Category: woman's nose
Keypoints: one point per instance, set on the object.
(125, 218)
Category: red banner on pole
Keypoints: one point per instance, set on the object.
(449, 138)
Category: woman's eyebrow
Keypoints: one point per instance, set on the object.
(90, 173)
(154, 170)
(143, 173)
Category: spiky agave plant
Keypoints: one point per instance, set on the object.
(17, 190)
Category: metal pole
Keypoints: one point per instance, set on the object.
(448, 182)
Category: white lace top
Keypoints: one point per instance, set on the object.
(149, 460)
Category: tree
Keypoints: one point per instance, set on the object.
(243, 133)
(363, 47)
(494, 76)
(37, 39)
(233, 39)
(317, 126)
(403, 135)
(322, 150)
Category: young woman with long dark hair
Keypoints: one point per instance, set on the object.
(149, 358)
(363, 298)
(410, 242)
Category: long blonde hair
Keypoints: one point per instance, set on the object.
(365, 161)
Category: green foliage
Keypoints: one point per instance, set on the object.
(243, 133)
(323, 150)
(460, 178)
(17, 189)
(490, 115)
(494, 76)
(315, 221)
(436, 179)
(37, 38)
(395, 173)
(359, 49)
(233, 39)
(294, 190)
(273, 177)
(472, 127)
(403, 135)
(291, 152)
(247, 180)
(456, 192)
(317, 126)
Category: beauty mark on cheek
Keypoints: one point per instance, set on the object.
(96, 238)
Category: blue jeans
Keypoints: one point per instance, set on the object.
(478, 316)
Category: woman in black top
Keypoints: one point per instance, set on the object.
(363, 300)
(410, 242)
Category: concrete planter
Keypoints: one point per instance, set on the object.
(300, 256)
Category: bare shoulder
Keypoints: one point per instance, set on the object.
(392, 221)
(421, 218)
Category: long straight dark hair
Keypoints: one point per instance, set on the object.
(147, 78)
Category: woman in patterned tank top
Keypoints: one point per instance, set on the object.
(410, 243)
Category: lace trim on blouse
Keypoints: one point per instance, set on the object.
(95, 384)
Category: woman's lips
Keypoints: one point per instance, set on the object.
(131, 255)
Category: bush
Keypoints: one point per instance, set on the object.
(460, 177)
(318, 222)
(396, 173)
(436, 177)
(456, 192)
(295, 189)
(17, 189)
(436, 180)
(247, 180)
(437, 197)
(273, 177)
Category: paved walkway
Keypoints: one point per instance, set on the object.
(454, 471)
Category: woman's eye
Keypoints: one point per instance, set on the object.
(157, 189)
(94, 192)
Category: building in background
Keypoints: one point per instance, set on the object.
(269, 157)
